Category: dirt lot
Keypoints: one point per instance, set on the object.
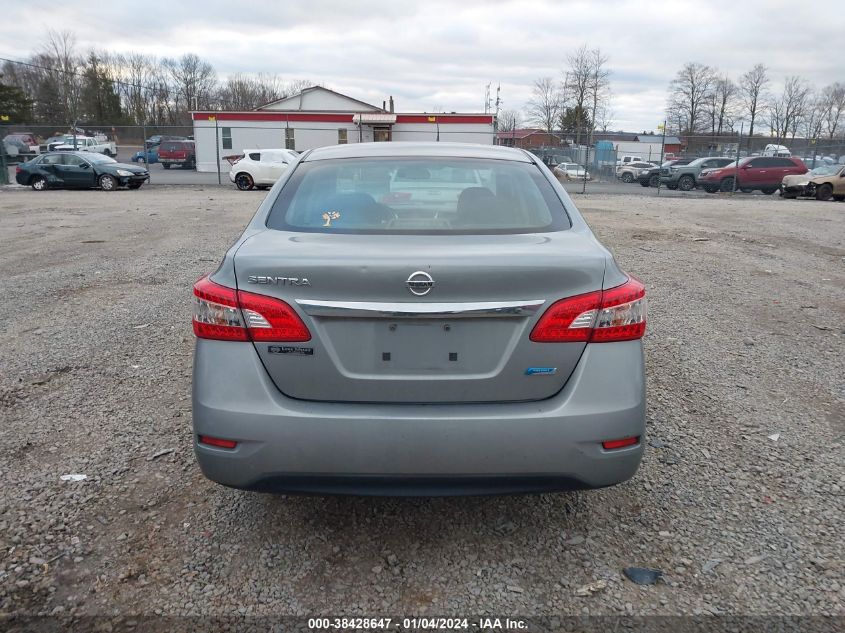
(739, 500)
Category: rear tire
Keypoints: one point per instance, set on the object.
(244, 182)
(824, 192)
(727, 185)
(107, 183)
(38, 183)
(628, 177)
(686, 183)
(654, 181)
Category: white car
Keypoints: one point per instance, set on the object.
(260, 168)
(85, 144)
(571, 171)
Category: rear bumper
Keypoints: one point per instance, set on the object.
(297, 446)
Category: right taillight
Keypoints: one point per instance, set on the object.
(225, 314)
(616, 314)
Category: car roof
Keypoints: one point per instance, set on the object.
(401, 149)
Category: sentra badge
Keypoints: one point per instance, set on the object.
(279, 281)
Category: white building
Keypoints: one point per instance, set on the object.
(317, 117)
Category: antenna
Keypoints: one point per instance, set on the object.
(498, 100)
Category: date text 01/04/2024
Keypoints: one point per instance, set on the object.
(423, 623)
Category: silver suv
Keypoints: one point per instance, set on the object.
(418, 318)
(685, 177)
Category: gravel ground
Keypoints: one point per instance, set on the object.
(739, 500)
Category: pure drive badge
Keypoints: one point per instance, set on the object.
(540, 371)
(289, 349)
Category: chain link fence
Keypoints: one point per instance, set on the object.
(216, 144)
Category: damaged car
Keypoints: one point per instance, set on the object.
(822, 183)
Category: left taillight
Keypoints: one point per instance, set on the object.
(604, 316)
(225, 314)
(216, 312)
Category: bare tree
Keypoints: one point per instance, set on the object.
(599, 85)
(576, 85)
(194, 82)
(508, 120)
(544, 106)
(295, 86)
(689, 93)
(721, 106)
(59, 54)
(787, 110)
(813, 120)
(752, 89)
(605, 116)
(833, 107)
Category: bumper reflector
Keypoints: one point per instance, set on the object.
(217, 442)
(612, 444)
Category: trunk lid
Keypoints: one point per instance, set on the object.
(465, 340)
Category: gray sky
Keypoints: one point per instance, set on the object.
(438, 54)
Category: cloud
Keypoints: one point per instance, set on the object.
(441, 53)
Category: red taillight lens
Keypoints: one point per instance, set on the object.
(216, 312)
(271, 319)
(617, 314)
(568, 320)
(218, 442)
(225, 314)
(628, 441)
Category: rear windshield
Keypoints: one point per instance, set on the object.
(418, 196)
(173, 146)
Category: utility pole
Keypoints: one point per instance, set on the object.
(662, 155)
(4, 172)
(736, 164)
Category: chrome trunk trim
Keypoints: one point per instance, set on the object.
(368, 309)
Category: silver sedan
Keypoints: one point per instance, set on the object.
(418, 318)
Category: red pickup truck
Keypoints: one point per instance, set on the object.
(180, 153)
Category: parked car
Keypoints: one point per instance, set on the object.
(651, 177)
(156, 139)
(149, 157)
(628, 158)
(823, 183)
(79, 170)
(772, 149)
(756, 172)
(27, 142)
(177, 154)
(631, 171)
(572, 171)
(16, 149)
(350, 344)
(685, 177)
(85, 144)
(260, 168)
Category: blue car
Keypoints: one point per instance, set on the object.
(152, 156)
